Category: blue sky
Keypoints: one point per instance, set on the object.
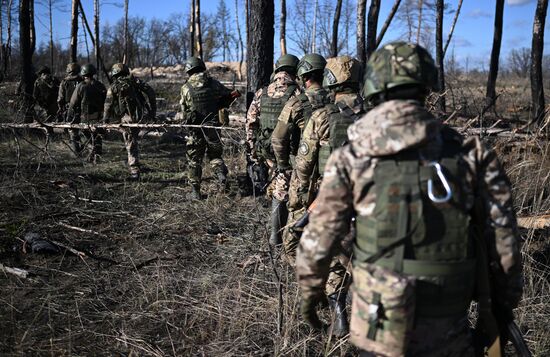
(472, 38)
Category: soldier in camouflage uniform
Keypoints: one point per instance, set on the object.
(86, 106)
(261, 120)
(415, 188)
(45, 91)
(201, 99)
(66, 89)
(325, 131)
(291, 121)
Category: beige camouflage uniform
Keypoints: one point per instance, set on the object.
(345, 192)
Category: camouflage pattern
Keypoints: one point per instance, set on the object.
(73, 68)
(397, 64)
(390, 128)
(201, 141)
(66, 89)
(46, 88)
(342, 70)
(119, 69)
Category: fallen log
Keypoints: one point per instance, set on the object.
(22, 273)
(536, 222)
(118, 126)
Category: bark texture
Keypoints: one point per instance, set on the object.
(335, 23)
(537, 49)
(372, 26)
(260, 46)
(440, 7)
(361, 14)
(495, 54)
(74, 31)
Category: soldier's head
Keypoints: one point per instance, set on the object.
(287, 63)
(342, 74)
(399, 70)
(311, 68)
(44, 70)
(73, 68)
(88, 71)
(119, 70)
(194, 65)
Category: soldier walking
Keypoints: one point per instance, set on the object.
(66, 89)
(46, 88)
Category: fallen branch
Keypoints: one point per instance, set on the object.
(79, 230)
(536, 222)
(118, 126)
(22, 273)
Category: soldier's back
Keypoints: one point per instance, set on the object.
(92, 94)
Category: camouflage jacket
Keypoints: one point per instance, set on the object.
(66, 89)
(345, 192)
(199, 80)
(275, 89)
(129, 96)
(88, 98)
(45, 92)
(286, 136)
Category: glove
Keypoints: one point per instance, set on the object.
(308, 310)
(303, 196)
(235, 94)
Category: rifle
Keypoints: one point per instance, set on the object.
(258, 174)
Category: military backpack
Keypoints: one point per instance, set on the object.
(129, 98)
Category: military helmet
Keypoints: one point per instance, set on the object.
(343, 70)
(73, 68)
(88, 70)
(194, 64)
(310, 63)
(119, 69)
(287, 63)
(44, 70)
(398, 64)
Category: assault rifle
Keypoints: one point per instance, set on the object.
(258, 174)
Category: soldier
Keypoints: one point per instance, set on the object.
(66, 89)
(126, 102)
(45, 92)
(201, 99)
(286, 136)
(262, 118)
(415, 188)
(325, 131)
(85, 106)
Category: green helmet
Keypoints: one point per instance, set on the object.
(399, 64)
(343, 70)
(194, 65)
(287, 63)
(119, 69)
(73, 68)
(88, 70)
(44, 70)
(310, 63)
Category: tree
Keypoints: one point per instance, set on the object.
(387, 23)
(241, 44)
(192, 29)
(125, 57)
(490, 95)
(537, 49)
(334, 42)
(223, 19)
(260, 46)
(74, 31)
(361, 13)
(198, 34)
(372, 26)
(439, 53)
(449, 37)
(282, 28)
(97, 44)
(27, 75)
(519, 61)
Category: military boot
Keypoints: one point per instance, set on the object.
(222, 178)
(279, 215)
(195, 192)
(337, 302)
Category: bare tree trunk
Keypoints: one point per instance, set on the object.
(192, 29)
(7, 63)
(440, 7)
(25, 43)
(387, 23)
(32, 28)
(282, 28)
(495, 54)
(198, 34)
(94, 43)
(74, 31)
(335, 23)
(97, 42)
(314, 32)
(260, 46)
(51, 32)
(537, 49)
(372, 26)
(241, 44)
(452, 28)
(2, 45)
(85, 40)
(125, 58)
(361, 13)
(420, 5)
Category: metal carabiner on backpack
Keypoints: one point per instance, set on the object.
(443, 179)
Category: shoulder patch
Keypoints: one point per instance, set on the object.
(304, 148)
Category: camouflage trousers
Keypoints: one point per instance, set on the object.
(94, 137)
(200, 142)
(441, 337)
(131, 143)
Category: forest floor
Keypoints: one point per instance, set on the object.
(151, 273)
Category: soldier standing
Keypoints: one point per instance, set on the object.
(415, 188)
(86, 106)
(126, 102)
(201, 99)
(66, 89)
(286, 136)
(45, 92)
(262, 118)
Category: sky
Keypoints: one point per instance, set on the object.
(471, 44)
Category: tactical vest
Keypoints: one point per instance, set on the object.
(271, 108)
(204, 106)
(408, 232)
(128, 98)
(314, 101)
(69, 85)
(340, 117)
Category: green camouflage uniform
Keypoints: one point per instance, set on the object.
(206, 92)
(349, 190)
(46, 88)
(86, 106)
(66, 89)
(126, 103)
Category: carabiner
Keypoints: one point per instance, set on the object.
(443, 179)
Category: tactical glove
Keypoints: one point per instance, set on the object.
(308, 310)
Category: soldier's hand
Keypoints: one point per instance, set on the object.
(235, 94)
(308, 310)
